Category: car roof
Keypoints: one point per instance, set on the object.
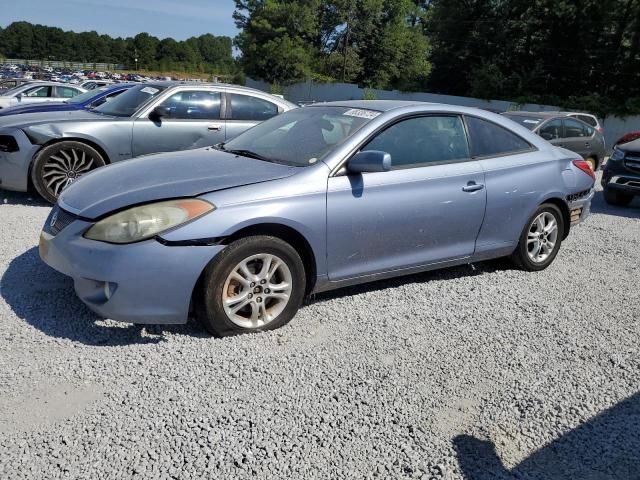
(546, 114)
(378, 105)
(520, 113)
(182, 83)
(577, 113)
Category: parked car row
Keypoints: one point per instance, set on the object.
(87, 100)
(50, 149)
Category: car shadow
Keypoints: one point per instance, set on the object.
(46, 300)
(451, 273)
(599, 205)
(606, 447)
(21, 198)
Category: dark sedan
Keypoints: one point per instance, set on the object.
(562, 130)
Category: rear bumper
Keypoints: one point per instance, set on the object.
(145, 282)
(14, 166)
(580, 208)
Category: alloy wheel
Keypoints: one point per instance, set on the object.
(257, 290)
(64, 167)
(542, 237)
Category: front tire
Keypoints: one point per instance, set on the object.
(57, 166)
(616, 197)
(255, 284)
(541, 239)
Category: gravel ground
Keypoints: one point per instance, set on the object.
(477, 372)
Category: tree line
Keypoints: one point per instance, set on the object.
(578, 54)
(206, 53)
(582, 54)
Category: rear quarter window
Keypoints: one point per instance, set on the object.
(588, 120)
(488, 139)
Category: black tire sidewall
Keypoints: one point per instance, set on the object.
(521, 253)
(214, 318)
(43, 156)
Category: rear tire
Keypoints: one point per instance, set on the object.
(255, 284)
(540, 239)
(616, 197)
(57, 166)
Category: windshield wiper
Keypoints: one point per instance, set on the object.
(249, 154)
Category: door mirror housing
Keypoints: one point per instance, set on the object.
(19, 96)
(160, 112)
(547, 136)
(370, 161)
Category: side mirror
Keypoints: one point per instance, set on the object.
(369, 162)
(160, 112)
(547, 136)
(19, 97)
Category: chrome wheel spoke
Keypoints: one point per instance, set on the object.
(237, 301)
(244, 270)
(75, 159)
(281, 287)
(236, 276)
(273, 268)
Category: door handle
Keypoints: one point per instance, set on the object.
(587, 144)
(214, 126)
(472, 187)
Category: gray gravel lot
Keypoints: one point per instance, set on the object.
(477, 372)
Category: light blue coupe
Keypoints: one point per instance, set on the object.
(318, 198)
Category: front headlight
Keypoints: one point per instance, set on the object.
(146, 221)
(617, 155)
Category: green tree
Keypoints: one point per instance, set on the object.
(374, 42)
(38, 42)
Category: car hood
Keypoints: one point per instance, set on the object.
(29, 120)
(164, 176)
(41, 107)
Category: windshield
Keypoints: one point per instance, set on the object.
(127, 103)
(14, 90)
(529, 122)
(300, 137)
(87, 96)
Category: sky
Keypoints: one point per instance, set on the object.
(179, 19)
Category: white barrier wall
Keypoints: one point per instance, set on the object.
(325, 92)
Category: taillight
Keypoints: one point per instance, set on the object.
(584, 166)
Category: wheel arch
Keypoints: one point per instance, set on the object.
(90, 143)
(86, 141)
(287, 234)
(283, 232)
(564, 209)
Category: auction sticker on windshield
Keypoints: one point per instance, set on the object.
(361, 113)
(150, 90)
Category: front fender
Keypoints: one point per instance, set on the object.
(306, 214)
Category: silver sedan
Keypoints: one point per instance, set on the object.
(38, 92)
(51, 150)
